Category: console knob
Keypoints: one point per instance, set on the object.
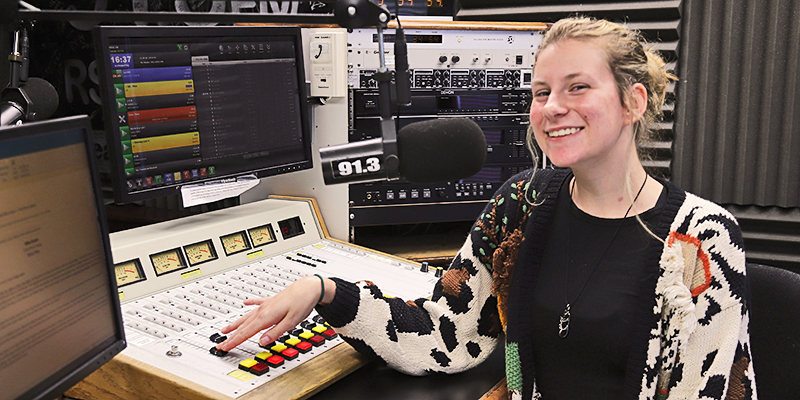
(173, 352)
(455, 59)
(442, 59)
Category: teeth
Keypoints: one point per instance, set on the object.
(563, 132)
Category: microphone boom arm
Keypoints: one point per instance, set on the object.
(388, 128)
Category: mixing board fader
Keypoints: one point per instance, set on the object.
(173, 319)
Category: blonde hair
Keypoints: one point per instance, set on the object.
(631, 61)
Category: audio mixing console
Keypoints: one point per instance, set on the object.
(182, 281)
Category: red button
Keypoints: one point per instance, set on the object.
(259, 369)
(317, 340)
(289, 354)
(303, 347)
(275, 361)
(329, 334)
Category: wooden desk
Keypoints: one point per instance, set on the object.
(124, 378)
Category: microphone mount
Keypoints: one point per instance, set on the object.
(353, 14)
(17, 105)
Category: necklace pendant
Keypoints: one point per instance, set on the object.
(563, 324)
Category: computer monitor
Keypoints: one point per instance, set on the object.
(59, 311)
(188, 104)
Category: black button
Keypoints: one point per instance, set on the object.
(217, 338)
(217, 352)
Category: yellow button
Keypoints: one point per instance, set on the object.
(306, 335)
(240, 375)
(248, 362)
(293, 341)
(278, 348)
(319, 329)
(263, 356)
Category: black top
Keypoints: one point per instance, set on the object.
(591, 360)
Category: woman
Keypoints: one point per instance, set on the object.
(608, 283)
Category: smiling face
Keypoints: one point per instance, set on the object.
(577, 115)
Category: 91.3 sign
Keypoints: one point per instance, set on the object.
(356, 167)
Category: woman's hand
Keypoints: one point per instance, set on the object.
(278, 313)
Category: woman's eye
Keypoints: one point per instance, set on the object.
(578, 87)
(542, 93)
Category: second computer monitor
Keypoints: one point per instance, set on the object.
(184, 105)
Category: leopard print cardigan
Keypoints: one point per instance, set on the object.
(693, 333)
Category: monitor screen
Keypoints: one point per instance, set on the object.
(58, 303)
(187, 104)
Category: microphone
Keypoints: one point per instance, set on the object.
(34, 100)
(436, 150)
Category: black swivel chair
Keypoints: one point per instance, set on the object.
(775, 331)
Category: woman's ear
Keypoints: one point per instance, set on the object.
(638, 98)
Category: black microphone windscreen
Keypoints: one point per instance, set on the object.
(43, 96)
(437, 150)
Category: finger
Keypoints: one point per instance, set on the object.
(248, 302)
(257, 322)
(256, 301)
(277, 331)
(235, 324)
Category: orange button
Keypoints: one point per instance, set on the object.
(303, 347)
(289, 354)
(275, 361)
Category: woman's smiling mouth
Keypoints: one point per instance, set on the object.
(563, 132)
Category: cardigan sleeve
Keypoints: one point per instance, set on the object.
(710, 306)
(456, 329)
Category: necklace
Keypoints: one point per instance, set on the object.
(564, 320)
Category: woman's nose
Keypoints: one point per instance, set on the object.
(554, 107)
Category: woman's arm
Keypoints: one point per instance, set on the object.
(280, 312)
(456, 329)
(453, 331)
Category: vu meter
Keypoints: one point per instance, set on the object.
(168, 261)
(261, 235)
(234, 243)
(200, 252)
(128, 272)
